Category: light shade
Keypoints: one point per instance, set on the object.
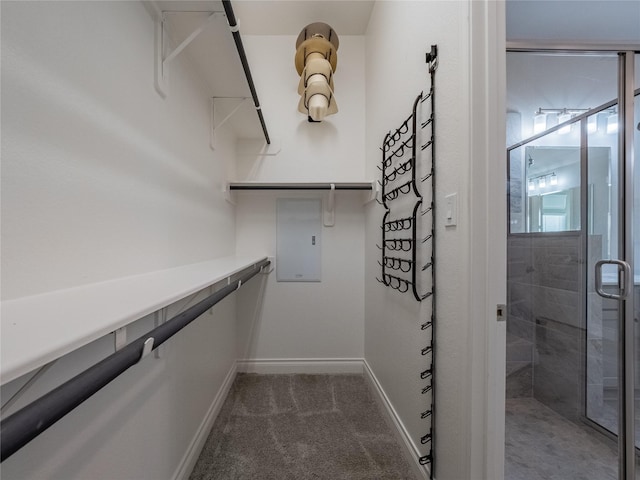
(532, 185)
(592, 124)
(564, 117)
(542, 182)
(612, 123)
(553, 180)
(539, 123)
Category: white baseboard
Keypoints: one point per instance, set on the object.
(411, 451)
(301, 365)
(195, 447)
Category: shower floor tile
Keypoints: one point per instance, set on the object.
(542, 445)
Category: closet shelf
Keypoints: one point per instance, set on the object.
(41, 328)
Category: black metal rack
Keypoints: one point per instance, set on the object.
(408, 227)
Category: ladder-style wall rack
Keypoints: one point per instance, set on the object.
(408, 249)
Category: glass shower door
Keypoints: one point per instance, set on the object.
(611, 341)
(602, 388)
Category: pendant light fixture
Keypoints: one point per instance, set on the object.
(316, 60)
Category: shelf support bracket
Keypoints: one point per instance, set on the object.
(159, 317)
(329, 217)
(119, 338)
(23, 389)
(185, 43)
(162, 61)
(214, 127)
(372, 194)
(229, 196)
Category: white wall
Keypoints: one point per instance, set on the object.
(399, 35)
(305, 320)
(300, 320)
(470, 256)
(100, 180)
(330, 151)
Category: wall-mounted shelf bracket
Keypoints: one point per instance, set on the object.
(229, 195)
(120, 338)
(254, 147)
(8, 403)
(159, 317)
(163, 59)
(269, 268)
(147, 347)
(216, 101)
(329, 214)
(372, 194)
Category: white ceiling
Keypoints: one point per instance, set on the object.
(286, 17)
(591, 21)
(289, 17)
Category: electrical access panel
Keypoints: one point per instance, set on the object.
(298, 243)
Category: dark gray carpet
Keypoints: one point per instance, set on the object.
(299, 427)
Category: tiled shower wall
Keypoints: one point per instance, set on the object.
(545, 328)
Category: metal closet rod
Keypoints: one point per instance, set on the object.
(302, 186)
(27, 423)
(233, 25)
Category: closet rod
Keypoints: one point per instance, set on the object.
(233, 25)
(27, 423)
(301, 186)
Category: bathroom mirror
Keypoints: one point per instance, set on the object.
(545, 188)
(557, 211)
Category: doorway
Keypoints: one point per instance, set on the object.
(573, 293)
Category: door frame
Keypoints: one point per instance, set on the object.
(626, 87)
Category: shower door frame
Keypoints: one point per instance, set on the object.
(626, 86)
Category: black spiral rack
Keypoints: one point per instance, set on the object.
(408, 188)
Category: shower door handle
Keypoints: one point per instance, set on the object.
(624, 280)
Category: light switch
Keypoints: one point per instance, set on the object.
(451, 210)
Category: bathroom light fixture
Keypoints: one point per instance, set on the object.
(541, 181)
(592, 124)
(539, 122)
(612, 123)
(316, 61)
(546, 118)
(564, 117)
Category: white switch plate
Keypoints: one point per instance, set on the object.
(451, 210)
